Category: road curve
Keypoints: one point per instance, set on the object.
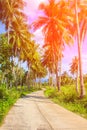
(35, 112)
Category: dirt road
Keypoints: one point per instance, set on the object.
(35, 112)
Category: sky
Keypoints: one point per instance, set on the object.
(2, 28)
(32, 12)
(70, 51)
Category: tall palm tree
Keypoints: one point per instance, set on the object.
(74, 69)
(57, 16)
(79, 8)
(80, 34)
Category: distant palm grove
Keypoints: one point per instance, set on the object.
(62, 22)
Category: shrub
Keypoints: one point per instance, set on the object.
(51, 92)
(1, 93)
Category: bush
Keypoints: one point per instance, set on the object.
(51, 92)
(68, 94)
(1, 93)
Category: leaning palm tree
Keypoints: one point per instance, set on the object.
(11, 14)
(19, 37)
(74, 69)
(56, 24)
(10, 10)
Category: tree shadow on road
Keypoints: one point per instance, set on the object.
(37, 98)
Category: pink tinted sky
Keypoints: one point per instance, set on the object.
(70, 52)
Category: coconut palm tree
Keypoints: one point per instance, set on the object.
(79, 8)
(56, 18)
(74, 69)
(52, 61)
(12, 16)
(10, 11)
(19, 37)
(81, 26)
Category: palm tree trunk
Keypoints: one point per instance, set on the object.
(51, 80)
(51, 75)
(57, 78)
(8, 21)
(57, 81)
(8, 32)
(39, 82)
(48, 78)
(60, 66)
(77, 89)
(27, 78)
(82, 93)
(20, 74)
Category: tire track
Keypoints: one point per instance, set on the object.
(44, 117)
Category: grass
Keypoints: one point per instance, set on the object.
(68, 98)
(9, 96)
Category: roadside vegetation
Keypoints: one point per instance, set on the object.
(9, 96)
(68, 98)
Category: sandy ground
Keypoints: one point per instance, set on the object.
(35, 112)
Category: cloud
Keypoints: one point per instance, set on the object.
(39, 36)
(32, 5)
(84, 56)
(65, 67)
(84, 61)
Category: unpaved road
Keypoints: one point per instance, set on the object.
(35, 112)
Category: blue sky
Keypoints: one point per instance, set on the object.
(2, 28)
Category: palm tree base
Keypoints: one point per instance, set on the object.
(82, 94)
